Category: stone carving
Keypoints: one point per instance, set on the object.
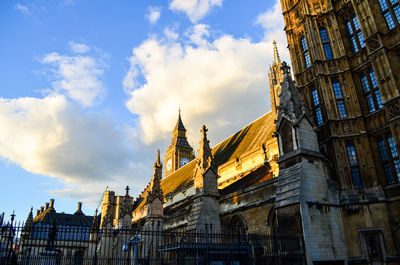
(373, 43)
(393, 109)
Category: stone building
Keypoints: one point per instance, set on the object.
(54, 236)
(346, 63)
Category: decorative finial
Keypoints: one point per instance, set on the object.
(286, 69)
(158, 157)
(205, 154)
(127, 191)
(276, 53)
(204, 132)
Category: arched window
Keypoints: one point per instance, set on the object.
(304, 49)
(389, 158)
(390, 9)
(371, 91)
(354, 166)
(337, 90)
(237, 225)
(317, 106)
(354, 33)
(325, 43)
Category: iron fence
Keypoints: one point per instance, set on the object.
(42, 244)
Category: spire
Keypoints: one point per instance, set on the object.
(291, 104)
(205, 155)
(155, 183)
(158, 161)
(277, 60)
(157, 165)
(179, 123)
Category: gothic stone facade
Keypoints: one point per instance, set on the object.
(346, 61)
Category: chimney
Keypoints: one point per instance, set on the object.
(37, 212)
(47, 205)
(79, 210)
(41, 209)
(52, 203)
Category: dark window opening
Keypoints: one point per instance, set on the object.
(325, 43)
(389, 158)
(354, 166)
(337, 90)
(372, 94)
(354, 34)
(304, 49)
(317, 106)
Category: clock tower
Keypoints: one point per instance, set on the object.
(179, 152)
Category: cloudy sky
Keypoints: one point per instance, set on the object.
(91, 88)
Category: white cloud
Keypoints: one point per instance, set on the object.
(272, 21)
(170, 34)
(80, 77)
(85, 150)
(220, 82)
(78, 47)
(50, 136)
(154, 14)
(21, 8)
(194, 9)
(198, 34)
(215, 82)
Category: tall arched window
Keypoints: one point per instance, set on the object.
(325, 43)
(354, 33)
(304, 49)
(354, 166)
(371, 91)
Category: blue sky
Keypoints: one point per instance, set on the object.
(90, 89)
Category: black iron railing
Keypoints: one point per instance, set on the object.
(42, 244)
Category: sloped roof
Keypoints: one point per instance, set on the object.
(179, 124)
(177, 179)
(249, 138)
(52, 217)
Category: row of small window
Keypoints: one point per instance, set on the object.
(390, 10)
(371, 91)
(354, 34)
(389, 158)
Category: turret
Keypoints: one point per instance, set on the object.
(275, 77)
(179, 153)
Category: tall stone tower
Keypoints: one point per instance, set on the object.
(179, 151)
(275, 77)
(304, 201)
(346, 60)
